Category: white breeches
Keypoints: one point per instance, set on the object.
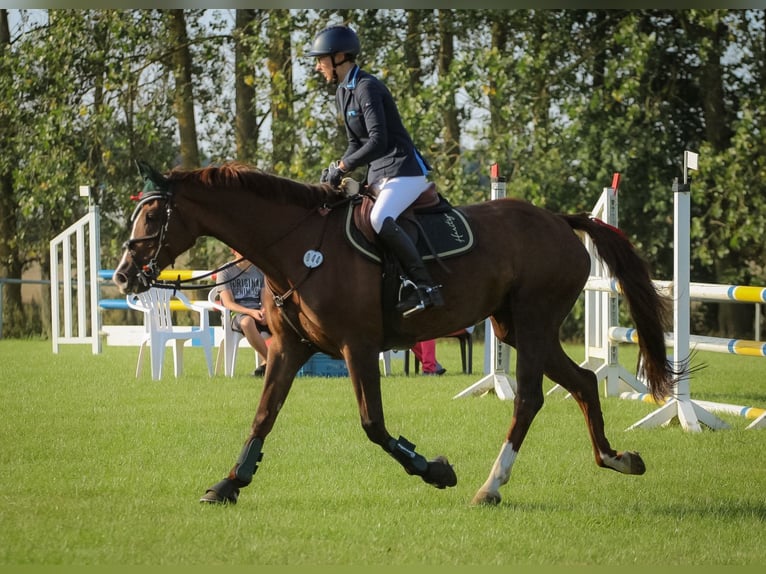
(395, 194)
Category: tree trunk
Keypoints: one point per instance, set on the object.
(451, 132)
(245, 120)
(280, 71)
(11, 265)
(498, 97)
(412, 52)
(183, 96)
(733, 320)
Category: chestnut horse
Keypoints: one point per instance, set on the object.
(525, 272)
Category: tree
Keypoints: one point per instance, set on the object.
(451, 132)
(560, 98)
(280, 63)
(79, 119)
(183, 94)
(412, 52)
(10, 262)
(731, 202)
(246, 125)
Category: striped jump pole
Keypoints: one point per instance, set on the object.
(175, 304)
(697, 291)
(702, 343)
(699, 342)
(690, 413)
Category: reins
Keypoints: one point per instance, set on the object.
(309, 262)
(176, 284)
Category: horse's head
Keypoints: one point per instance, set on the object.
(157, 237)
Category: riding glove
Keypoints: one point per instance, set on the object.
(334, 175)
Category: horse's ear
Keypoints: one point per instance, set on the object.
(154, 181)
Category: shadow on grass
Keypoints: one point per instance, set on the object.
(722, 510)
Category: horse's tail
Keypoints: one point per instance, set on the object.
(649, 309)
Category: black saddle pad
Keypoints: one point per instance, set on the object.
(446, 230)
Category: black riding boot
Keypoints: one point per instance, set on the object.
(425, 294)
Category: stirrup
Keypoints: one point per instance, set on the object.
(428, 296)
(420, 306)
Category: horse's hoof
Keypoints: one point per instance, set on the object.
(485, 498)
(212, 497)
(635, 462)
(627, 462)
(223, 492)
(440, 473)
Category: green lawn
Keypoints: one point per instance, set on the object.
(99, 468)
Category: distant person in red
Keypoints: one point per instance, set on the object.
(425, 352)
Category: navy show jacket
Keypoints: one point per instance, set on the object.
(376, 135)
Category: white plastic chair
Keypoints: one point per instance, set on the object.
(231, 338)
(156, 306)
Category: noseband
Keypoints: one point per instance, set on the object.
(148, 273)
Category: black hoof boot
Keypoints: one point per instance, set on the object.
(224, 492)
(440, 473)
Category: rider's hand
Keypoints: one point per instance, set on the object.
(334, 175)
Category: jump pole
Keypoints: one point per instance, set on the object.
(496, 353)
(689, 413)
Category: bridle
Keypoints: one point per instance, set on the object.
(148, 273)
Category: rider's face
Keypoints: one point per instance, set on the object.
(324, 66)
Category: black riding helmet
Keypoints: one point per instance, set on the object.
(335, 39)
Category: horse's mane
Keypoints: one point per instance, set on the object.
(268, 186)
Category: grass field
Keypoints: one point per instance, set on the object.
(99, 468)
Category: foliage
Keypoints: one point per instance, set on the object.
(560, 99)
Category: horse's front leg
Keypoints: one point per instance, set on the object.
(527, 403)
(280, 372)
(364, 370)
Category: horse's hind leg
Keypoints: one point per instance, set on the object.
(583, 386)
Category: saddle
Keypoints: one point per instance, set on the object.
(438, 230)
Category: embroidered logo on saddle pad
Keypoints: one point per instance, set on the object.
(439, 231)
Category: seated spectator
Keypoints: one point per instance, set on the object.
(241, 294)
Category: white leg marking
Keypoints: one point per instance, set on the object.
(501, 470)
(620, 465)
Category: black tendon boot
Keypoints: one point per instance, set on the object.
(425, 294)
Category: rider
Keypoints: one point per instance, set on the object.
(377, 138)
